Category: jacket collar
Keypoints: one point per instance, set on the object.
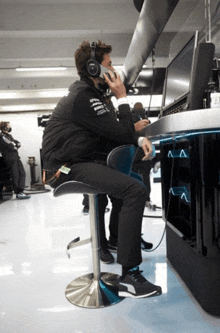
(91, 84)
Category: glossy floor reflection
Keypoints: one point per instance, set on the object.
(35, 270)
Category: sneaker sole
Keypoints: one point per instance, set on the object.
(107, 262)
(112, 249)
(143, 249)
(146, 249)
(127, 294)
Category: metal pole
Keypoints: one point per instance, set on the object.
(94, 227)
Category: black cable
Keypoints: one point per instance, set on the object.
(168, 207)
(159, 241)
(171, 179)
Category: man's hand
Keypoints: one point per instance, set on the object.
(115, 84)
(139, 125)
(147, 148)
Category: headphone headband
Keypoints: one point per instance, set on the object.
(93, 47)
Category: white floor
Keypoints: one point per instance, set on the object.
(35, 270)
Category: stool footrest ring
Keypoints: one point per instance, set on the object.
(77, 242)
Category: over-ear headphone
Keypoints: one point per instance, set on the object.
(93, 66)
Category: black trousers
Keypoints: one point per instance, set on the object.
(18, 174)
(129, 197)
(143, 168)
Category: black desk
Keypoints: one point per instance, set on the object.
(184, 123)
(190, 177)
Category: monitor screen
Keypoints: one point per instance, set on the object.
(178, 74)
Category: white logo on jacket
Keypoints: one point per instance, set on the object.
(98, 106)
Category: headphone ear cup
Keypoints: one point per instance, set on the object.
(93, 67)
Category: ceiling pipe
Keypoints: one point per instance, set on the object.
(153, 17)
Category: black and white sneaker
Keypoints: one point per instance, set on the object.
(106, 257)
(85, 210)
(133, 284)
(145, 246)
(22, 196)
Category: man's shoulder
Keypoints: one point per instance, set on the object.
(85, 93)
(81, 90)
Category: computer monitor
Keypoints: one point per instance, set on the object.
(178, 74)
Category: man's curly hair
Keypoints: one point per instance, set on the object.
(83, 54)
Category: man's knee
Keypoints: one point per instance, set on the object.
(140, 190)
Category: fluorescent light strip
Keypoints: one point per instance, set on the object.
(32, 107)
(37, 69)
(28, 94)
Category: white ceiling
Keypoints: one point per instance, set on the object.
(39, 33)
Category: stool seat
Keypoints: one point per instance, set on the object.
(73, 186)
(94, 290)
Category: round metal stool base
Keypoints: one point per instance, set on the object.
(87, 292)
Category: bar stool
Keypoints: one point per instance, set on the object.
(95, 290)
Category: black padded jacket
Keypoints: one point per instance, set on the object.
(81, 127)
(9, 147)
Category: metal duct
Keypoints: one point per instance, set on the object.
(152, 20)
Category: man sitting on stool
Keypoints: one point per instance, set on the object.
(81, 126)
